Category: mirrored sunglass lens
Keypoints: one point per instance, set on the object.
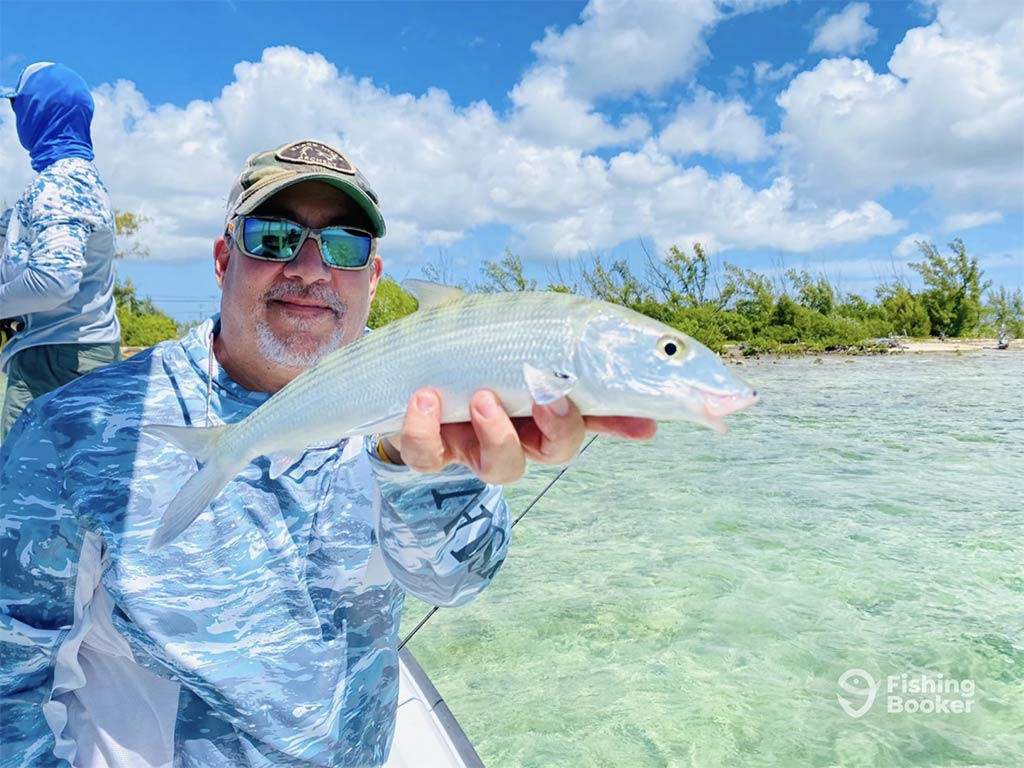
(345, 249)
(269, 239)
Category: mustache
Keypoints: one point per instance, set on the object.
(318, 293)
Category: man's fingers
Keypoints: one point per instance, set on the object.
(421, 445)
(558, 435)
(501, 458)
(492, 446)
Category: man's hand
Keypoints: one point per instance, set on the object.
(494, 446)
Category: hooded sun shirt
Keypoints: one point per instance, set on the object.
(57, 263)
(54, 111)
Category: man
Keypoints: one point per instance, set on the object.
(266, 634)
(56, 268)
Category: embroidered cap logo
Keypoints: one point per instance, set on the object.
(315, 153)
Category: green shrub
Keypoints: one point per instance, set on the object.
(390, 303)
(734, 326)
(906, 313)
(702, 324)
(145, 330)
(142, 324)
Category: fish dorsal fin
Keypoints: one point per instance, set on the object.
(432, 294)
(547, 386)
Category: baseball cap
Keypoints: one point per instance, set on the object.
(267, 173)
(26, 73)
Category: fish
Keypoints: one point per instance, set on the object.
(528, 347)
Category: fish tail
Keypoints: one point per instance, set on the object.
(200, 489)
(198, 442)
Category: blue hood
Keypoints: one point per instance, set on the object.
(53, 112)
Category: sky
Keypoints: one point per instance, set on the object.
(809, 135)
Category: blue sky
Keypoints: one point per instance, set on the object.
(825, 136)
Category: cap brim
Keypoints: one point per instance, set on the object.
(349, 188)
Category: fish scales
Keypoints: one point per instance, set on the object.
(482, 341)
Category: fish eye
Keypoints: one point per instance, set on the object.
(671, 347)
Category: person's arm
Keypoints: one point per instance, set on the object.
(54, 270)
(443, 536)
(444, 526)
(39, 554)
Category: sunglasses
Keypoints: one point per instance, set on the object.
(274, 239)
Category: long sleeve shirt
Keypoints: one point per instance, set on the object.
(266, 635)
(57, 263)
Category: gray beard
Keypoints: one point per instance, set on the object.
(285, 351)
(282, 352)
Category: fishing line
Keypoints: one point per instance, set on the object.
(530, 506)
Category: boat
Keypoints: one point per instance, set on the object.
(427, 735)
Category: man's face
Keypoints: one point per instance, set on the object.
(278, 319)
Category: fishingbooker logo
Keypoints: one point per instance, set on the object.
(913, 694)
(860, 684)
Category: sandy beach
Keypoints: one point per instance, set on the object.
(733, 354)
(956, 345)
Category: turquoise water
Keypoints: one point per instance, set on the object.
(693, 601)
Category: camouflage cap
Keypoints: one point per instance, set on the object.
(267, 173)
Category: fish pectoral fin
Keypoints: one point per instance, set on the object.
(547, 386)
(282, 462)
(432, 294)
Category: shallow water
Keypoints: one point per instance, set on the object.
(694, 600)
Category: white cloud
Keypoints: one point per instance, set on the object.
(617, 49)
(15, 171)
(1001, 19)
(846, 31)
(640, 169)
(547, 114)
(440, 170)
(712, 126)
(961, 221)
(948, 119)
(737, 7)
(622, 47)
(764, 72)
(735, 216)
(907, 248)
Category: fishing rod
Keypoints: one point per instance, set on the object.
(530, 506)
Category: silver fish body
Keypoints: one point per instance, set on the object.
(526, 347)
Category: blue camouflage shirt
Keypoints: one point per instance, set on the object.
(266, 634)
(57, 262)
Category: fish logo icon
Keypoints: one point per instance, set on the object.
(850, 681)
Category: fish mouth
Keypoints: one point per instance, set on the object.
(717, 405)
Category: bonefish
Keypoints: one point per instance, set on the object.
(526, 347)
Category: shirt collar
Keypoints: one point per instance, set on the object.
(198, 346)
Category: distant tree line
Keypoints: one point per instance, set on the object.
(798, 311)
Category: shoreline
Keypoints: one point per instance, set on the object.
(959, 346)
